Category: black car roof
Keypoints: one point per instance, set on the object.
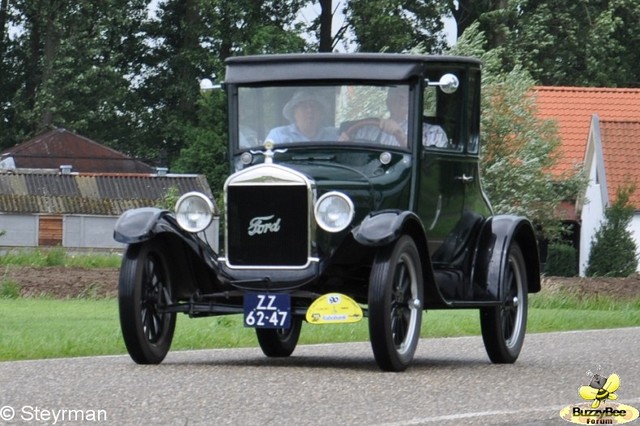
(313, 66)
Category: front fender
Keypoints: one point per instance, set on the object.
(492, 252)
(137, 225)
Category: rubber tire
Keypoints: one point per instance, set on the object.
(144, 279)
(280, 343)
(395, 304)
(503, 328)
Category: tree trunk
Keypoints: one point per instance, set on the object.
(4, 5)
(326, 18)
(49, 54)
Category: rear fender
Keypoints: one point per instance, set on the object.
(492, 251)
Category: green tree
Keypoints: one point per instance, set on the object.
(206, 147)
(613, 250)
(584, 43)
(396, 25)
(191, 39)
(70, 65)
(578, 43)
(519, 149)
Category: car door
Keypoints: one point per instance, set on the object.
(451, 204)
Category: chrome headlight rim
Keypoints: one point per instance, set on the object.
(206, 209)
(319, 215)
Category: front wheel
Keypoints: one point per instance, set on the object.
(144, 290)
(503, 327)
(280, 342)
(395, 304)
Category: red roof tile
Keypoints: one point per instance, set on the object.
(573, 107)
(621, 151)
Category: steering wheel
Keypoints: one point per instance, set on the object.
(367, 122)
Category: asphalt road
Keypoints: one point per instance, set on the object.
(451, 382)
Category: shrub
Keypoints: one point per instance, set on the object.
(9, 289)
(55, 257)
(561, 260)
(613, 250)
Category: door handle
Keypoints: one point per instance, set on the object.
(464, 178)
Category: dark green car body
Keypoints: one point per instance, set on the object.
(417, 209)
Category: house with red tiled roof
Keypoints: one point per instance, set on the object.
(600, 131)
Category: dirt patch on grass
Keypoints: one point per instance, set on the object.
(61, 282)
(619, 288)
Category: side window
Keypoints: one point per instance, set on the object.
(441, 118)
(434, 133)
(473, 113)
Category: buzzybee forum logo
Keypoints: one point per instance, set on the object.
(599, 408)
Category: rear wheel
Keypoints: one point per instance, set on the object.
(503, 328)
(144, 290)
(280, 342)
(395, 304)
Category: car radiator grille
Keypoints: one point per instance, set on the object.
(267, 225)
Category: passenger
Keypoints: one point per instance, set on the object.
(306, 112)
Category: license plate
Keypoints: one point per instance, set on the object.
(267, 310)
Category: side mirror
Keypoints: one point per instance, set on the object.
(448, 83)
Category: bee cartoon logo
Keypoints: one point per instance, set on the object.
(600, 389)
(599, 409)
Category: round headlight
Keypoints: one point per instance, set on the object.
(194, 211)
(334, 211)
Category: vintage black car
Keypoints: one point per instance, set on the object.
(355, 193)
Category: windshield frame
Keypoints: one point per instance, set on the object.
(242, 106)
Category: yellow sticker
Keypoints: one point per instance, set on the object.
(334, 308)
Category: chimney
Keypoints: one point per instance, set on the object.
(65, 169)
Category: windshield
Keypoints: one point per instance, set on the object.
(298, 114)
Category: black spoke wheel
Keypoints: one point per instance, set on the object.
(280, 342)
(395, 304)
(503, 328)
(144, 290)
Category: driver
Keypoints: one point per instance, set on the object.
(394, 128)
(306, 112)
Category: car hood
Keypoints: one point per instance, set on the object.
(367, 181)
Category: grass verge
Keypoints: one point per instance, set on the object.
(58, 256)
(36, 328)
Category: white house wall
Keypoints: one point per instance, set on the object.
(596, 195)
(591, 216)
(634, 227)
(20, 230)
(78, 231)
(81, 231)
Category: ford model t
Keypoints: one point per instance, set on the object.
(355, 193)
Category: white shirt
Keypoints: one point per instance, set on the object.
(432, 135)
